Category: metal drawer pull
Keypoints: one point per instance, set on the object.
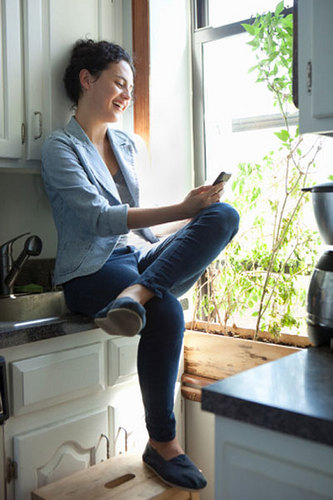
(38, 125)
(107, 445)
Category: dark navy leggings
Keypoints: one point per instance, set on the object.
(168, 268)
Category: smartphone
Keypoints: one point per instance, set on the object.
(222, 177)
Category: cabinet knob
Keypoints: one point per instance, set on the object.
(38, 125)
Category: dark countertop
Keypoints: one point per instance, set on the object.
(12, 334)
(293, 395)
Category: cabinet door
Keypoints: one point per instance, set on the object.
(11, 89)
(51, 28)
(36, 79)
(127, 425)
(52, 452)
(315, 71)
(258, 464)
(122, 352)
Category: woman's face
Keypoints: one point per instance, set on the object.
(111, 93)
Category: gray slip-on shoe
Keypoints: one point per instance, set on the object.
(125, 317)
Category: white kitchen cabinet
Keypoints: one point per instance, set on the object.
(33, 98)
(70, 397)
(256, 463)
(60, 400)
(315, 68)
(11, 83)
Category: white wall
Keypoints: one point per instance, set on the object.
(170, 99)
(24, 207)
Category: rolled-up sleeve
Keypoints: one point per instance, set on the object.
(70, 189)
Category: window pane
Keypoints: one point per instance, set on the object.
(225, 12)
(240, 118)
(232, 96)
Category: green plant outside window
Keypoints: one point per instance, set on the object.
(264, 272)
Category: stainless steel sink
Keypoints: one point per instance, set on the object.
(21, 308)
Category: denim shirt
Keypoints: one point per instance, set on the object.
(87, 209)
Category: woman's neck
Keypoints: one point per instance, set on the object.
(95, 130)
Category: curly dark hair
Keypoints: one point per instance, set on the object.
(95, 57)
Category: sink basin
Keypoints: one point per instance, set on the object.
(21, 308)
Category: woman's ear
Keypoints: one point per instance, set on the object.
(85, 79)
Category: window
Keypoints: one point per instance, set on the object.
(229, 106)
(236, 121)
(226, 99)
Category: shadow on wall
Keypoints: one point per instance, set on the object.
(24, 208)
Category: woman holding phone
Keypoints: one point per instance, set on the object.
(90, 177)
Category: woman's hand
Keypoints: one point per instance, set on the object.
(200, 198)
(195, 201)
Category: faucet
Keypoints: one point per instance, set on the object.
(9, 269)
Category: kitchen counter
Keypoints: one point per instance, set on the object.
(293, 395)
(12, 334)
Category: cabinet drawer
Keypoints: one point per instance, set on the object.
(46, 380)
(122, 358)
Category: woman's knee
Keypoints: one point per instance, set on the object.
(231, 216)
(224, 218)
(165, 317)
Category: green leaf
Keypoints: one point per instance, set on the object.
(283, 135)
(254, 44)
(249, 28)
(252, 68)
(287, 21)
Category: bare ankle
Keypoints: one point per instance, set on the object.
(137, 292)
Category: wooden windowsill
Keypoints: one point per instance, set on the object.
(247, 333)
(209, 357)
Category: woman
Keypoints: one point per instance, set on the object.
(89, 175)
